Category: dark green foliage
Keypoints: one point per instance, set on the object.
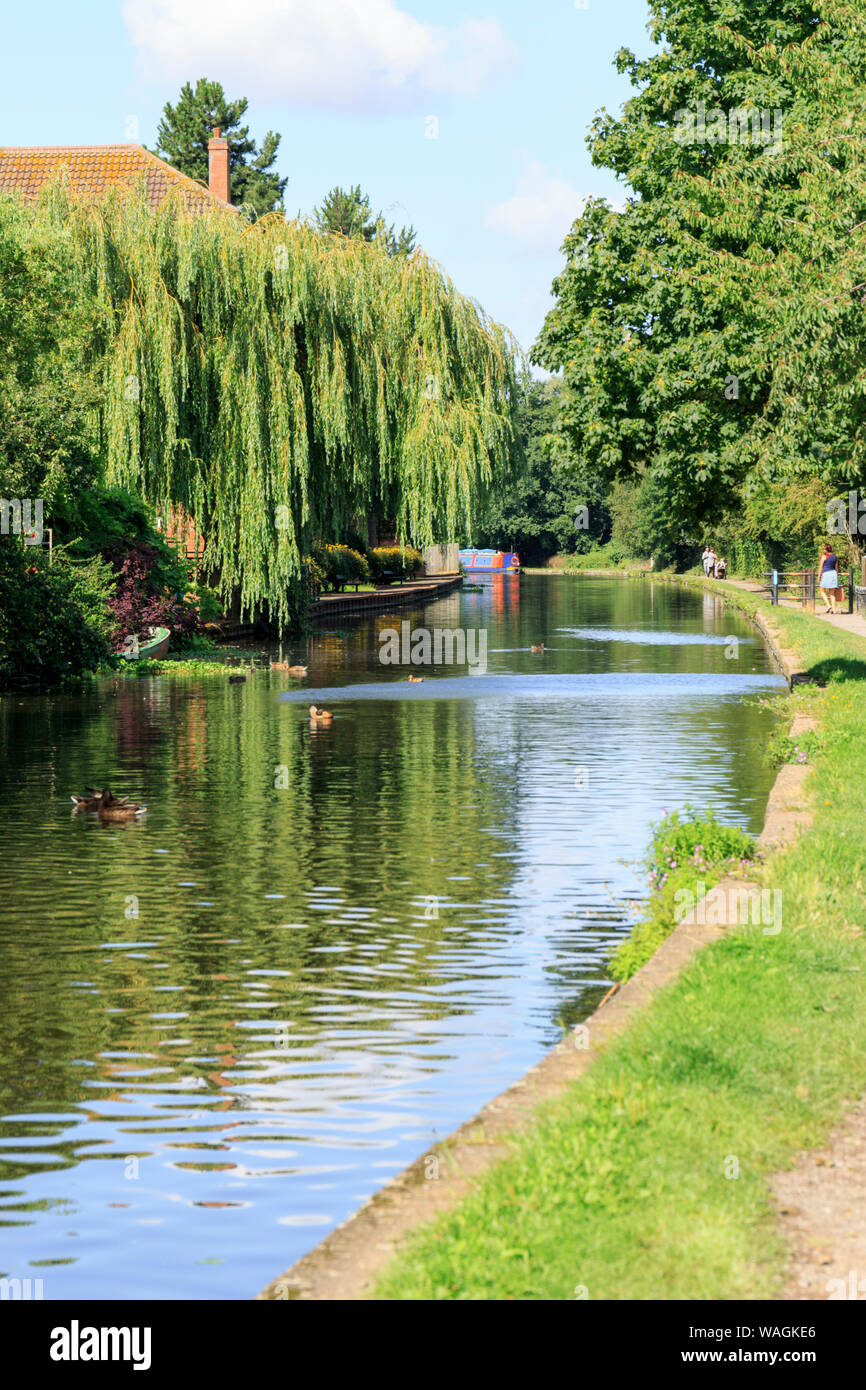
(539, 510)
(184, 132)
(54, 618)
(348, 212)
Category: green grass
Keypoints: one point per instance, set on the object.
(622, 1188)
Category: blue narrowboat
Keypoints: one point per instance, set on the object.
(490, 561)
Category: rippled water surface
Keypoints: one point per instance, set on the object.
(321, 950)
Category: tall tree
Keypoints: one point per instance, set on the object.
(348, 212)
(184, 132)
(661, 378)
(276, 384)
(794, 261)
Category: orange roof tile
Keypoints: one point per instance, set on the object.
(25, 169)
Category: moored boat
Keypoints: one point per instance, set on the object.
(150, 648)
(490, 561)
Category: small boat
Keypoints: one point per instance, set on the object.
(151, 648)
(490, 561)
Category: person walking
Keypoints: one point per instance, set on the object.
(828, 582)
(705, 560)
(710, 563)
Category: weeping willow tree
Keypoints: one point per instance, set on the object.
(276, 383)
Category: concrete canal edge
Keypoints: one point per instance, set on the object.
(411, 594)
(345, 1265)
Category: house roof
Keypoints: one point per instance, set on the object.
(93, 169)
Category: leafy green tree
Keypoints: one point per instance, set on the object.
(662, 380)
(348, 212)
(184, 132)
(546, 506)
(53, 617)
(795, 268)
(49, 389)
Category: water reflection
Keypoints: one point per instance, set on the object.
(228, 1024)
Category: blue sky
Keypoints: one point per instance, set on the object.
(357, 88)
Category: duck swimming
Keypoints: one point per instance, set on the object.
(89, 802)
(539, 648)
(416, 680)
(320, 716)
(108, 806)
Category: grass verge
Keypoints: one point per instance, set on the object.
(649, 1178)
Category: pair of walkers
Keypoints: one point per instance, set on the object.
(714, 566)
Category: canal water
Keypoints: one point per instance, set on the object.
(225, 1026)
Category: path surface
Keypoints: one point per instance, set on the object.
(851, 622)
(822, 1209)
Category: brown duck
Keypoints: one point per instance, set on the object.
(320, 716)
(292, 670)
(108, 806)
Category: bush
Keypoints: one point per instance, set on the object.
(149, 588)
(317, 577)
(400, 560)
(686, 848)
(54, 618)
(341, 565)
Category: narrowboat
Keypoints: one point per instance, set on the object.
(490, 561)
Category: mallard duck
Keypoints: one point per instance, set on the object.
(90, 801)
(416, 680)
(236, 680)
(118, 807)
(320, 716)
(539, 648)
(107, 805)
(297, 670)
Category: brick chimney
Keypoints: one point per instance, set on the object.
(218, 166)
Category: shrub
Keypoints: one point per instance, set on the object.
(149, 587)
(401, 560)
(341, 565)
(686, 848)
(317, 577)
(54, 618)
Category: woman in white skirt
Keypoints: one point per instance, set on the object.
(829, 580)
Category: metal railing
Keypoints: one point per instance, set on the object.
(804, 582)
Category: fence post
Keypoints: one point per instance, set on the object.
(851, 590)
(811, 589)
(774, 587)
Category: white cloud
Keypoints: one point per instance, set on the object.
(541, 211)
(336, 54)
